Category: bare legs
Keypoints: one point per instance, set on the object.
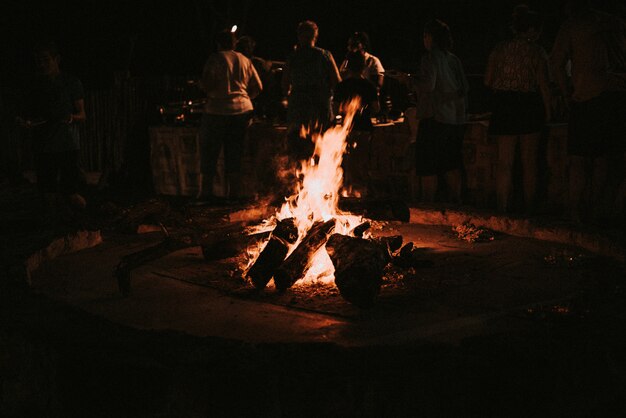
(529, 144)
(504, 180)
(579, 185)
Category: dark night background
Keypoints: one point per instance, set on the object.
(144, 37)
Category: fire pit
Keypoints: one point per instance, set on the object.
(308, 271)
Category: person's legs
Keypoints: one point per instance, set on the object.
(70, 177)
(211, 140)
(529, 145)
(577, 186)
(233, 152)
(454, 181)
(429, 188)
(619, 207)
(504, 181)
(598, 187)
(46, 168)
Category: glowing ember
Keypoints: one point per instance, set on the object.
(317, 197)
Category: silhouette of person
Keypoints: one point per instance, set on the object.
(441, 88)
(595, 95)
(246, 45)
(308, 80)
(355, 85)
(374, 70)
(231, 83)
(52, 107)
(517, 73)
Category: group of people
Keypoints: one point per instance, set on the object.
(587, 63)
(584, 64)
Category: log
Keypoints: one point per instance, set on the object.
(222, 242)
(225, 242)
(359, 230)
(296, 265)
(391, 244)
(359, 266)
(409, 257)
(274, 253)
(378, 209)
(131, 261)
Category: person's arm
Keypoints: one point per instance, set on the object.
(490, 70)
(425, 81)
(380, 74)
(255, 85)
(543, 80)
(285, 81)
(77, 96)
(560, 55)
(206, 81)
(79, 114)
(334, 75)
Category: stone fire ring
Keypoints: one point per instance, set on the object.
(472, 289)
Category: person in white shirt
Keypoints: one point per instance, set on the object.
(374, 70)
(441, 88)
(230, 82)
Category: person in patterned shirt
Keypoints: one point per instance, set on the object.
(517, 74)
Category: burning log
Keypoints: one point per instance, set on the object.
(296, 265)
(274, 253)
(359, 230)
(225, 242)
(359, 265)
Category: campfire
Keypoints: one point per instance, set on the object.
(308, 240)
(312, 241)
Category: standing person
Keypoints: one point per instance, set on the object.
(441, 88)
(595, 96)
(517, 73)
(52, 107)
(374, 70)
(230, 82)
(246, 45)
(355, 85)
(309, 77)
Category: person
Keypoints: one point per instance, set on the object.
(374, 70)
(517, 74)
(52, 108)
(595, 95)
(308, 80)
(246, 45)
(230, 82)
(441, 89)
(356, 86)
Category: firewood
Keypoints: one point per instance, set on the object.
(220, 243)
(131, 261)
(409, 257)
(390, 244)
(359, 230)
(296, 265)
(224, 242)
(359, 266)
(284, 235)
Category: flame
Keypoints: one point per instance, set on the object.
(317, 195)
